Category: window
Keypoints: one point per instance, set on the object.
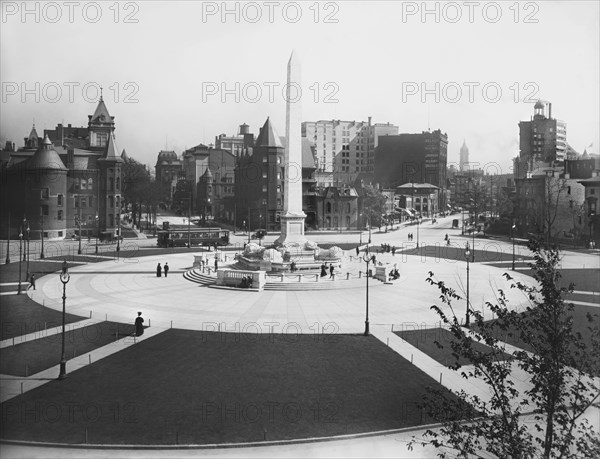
(111, 183)
(347, 221)
(83, 184)
(264, 202)
(44, 210)
(59, 200)
(45, 193)
(76, 184)
(264, 159)
(111, 202)
(328, 207)
(278, 188)
(91, 201)
(568, 190)
(118, 201)
(348, 208)
(60, 233)
(264, 174)
(83, 202)
(592, 191)
(264, 188)
(76, 200)
(90, 183)
(118, 183)
(59, 215)
(111, 220)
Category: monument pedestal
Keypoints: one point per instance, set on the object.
(292, 229)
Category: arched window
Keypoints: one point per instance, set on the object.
(335, 208)
(348, 209)
(90, 183)
(328, 208)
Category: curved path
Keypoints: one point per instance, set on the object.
(118, 289)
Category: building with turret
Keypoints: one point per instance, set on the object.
(66, 184)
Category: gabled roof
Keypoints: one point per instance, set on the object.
(101, 114)
(268, 137)
(33, 135)
(308, 158)
(111, 151)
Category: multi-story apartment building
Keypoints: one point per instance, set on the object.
(420, 158)
(542, 140)
(345, 148)
(238, 144)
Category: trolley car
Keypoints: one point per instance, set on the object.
(180, 236)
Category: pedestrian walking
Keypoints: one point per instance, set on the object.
(139, 325)
(331, 268)
(293, 266)
(216, 264)
(323, 270)
(158, 270)
(448, 241)
(394, 250)
(32, 281)
(357, 251)
(166, 269)
(446, 238)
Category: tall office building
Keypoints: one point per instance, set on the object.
(345, 148)
(542, 139)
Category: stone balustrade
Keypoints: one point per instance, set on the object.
(234, 277)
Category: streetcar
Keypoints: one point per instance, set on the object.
(178, 236)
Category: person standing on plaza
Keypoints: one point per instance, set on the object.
(331, 273)
(166, 269)
(216, 264)
(139, 325)
(393, 250)
(357, 251)
(31, 281)
(158, 270)
(323, 270)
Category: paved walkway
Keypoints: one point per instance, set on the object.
(116, 289)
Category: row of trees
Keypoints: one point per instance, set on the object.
(140, 191)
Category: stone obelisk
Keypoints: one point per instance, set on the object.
(292, 219)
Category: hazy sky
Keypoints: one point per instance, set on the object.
(163, 66)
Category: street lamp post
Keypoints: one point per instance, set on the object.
(64, 278)
(20, 261)
(42, 233)
(468, 258)
(118, 230)
(369, 228)
(367, 259)
(512, 231)
(8, 241)
(97, 232)
(418, 225)
(24, 242)
(79, 226)
(28, 229)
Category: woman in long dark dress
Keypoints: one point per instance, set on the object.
(158, 270)
(323, 270)
(139, 325)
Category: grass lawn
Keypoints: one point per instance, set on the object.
(10, 272)
(196, 387)
(425, 340)
(32, 357)
(490, 253)
(20, 315)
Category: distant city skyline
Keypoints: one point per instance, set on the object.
(173, 76)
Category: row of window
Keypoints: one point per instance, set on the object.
(328, 207)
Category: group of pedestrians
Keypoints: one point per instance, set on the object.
(386, 248)
(324, 270)
(447, 239)
(160, 269)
